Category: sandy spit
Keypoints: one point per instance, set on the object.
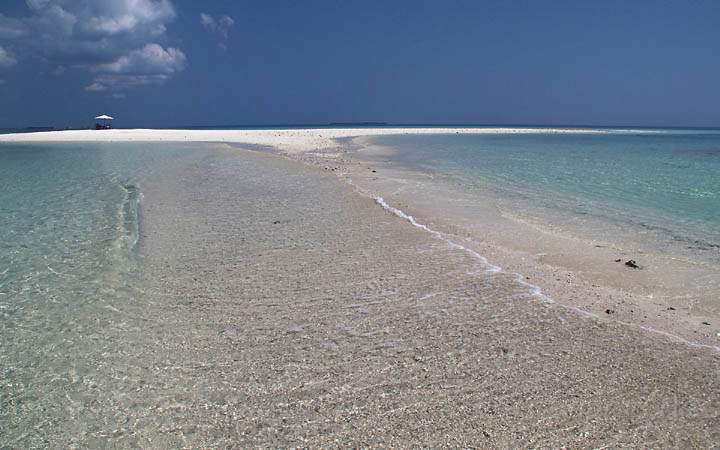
(287, 140)
(278, 308)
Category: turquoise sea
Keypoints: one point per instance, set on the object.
(68, 228)
(661, 182)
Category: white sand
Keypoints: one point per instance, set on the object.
(291, 141)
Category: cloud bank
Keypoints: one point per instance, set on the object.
(117, 41)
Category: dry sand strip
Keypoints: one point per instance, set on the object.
(281, 309)
(287, 140)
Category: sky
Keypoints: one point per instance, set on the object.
(175, 63)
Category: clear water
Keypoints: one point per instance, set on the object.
(68, 226)
(667, 181)
(69, 212)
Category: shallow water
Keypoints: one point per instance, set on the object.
(69, 215)
(268, 305)
(69, 230)
(664, 183)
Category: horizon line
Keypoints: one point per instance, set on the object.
(369, 124)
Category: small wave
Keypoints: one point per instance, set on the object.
(130, 218)
(535, 290)
(490, 267)
(126, 230)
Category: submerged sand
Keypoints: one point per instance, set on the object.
(669, 294)
(300, 314)
(278, 307)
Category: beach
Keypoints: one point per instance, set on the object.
(286, 297)
(577, 262)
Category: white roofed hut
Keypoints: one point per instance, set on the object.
(102, 122)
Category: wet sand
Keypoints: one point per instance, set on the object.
(279, 308)
(668, 294)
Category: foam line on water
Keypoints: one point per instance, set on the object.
(490, 267)
(535, 290)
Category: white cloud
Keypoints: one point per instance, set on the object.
(117, 40)
(7, 59)
(151, 64)
(113, 17)
(221, 25)
(151, 59)
(207, 20)
(87, 18)
(96, 87)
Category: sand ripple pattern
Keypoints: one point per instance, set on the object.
(278, 308)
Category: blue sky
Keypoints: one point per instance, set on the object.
(163, 63)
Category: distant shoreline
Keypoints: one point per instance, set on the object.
(288, 140)
(373, 124)
(292, 140)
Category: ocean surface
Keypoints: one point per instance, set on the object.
(69, 218)
(659, 188)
